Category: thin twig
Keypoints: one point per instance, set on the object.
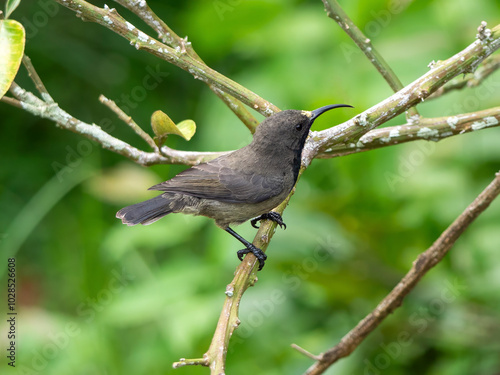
(425, 261)
(36, 80)
(238, 108)
(12, 101)
(129, 121)
(488, 66)
(306, 352)
(190, 362)
(335, 12)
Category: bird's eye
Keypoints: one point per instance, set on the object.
(298, 127)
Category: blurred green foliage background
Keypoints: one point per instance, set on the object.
(99, 298)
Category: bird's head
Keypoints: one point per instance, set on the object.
(289, 128)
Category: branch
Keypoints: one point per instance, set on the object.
(489, 66)
(425, 261)
(429, 129)
(52, 111)
(129, 121)
(169, 37)
(335, 12)
(245, 276)
(36, 80)
(417, 91)
(178, 56)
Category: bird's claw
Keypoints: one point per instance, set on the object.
(273, 216)
(259, 254)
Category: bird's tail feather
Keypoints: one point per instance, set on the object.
(146, 212)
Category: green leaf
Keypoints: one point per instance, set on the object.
(163, 126)
(10, 6)
(187, 128)
(12, 39)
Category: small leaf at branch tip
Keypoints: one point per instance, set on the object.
(163, 126)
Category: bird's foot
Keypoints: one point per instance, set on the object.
(273, 216)
(259, 254)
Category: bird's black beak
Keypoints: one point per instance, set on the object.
(317, 112)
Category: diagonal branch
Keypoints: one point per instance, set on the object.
(335, 12)
(169, 37)
(177, 56)
(245, 276)
(425, 261)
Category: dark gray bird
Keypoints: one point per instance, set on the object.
(244, 184)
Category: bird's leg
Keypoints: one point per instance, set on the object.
(273, 216)
(250, 248)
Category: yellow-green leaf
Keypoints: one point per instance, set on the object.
(163, 126)
(187, 128)
(12, 39)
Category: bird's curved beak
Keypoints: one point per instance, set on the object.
(317, 112)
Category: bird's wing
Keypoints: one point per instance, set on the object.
(214, 180)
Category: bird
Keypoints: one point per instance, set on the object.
(238, 186)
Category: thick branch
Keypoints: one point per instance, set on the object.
(245, 276)
(335, 12)
(112, 20)
(421, 266)
(417, 91)
(430, 129)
